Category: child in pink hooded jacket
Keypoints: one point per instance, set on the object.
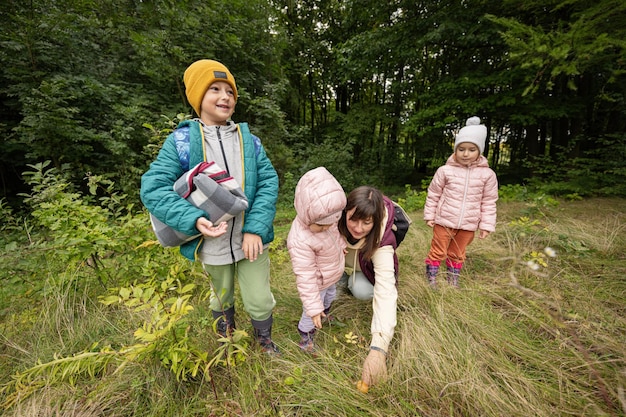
(316, 248)
(461, 199)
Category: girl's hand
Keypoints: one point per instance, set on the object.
(207, 228)
(430, 223)
(317, 320)
(252, 246)
(483, 234)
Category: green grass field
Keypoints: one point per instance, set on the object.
(512, 341)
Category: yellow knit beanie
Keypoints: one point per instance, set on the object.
(200, 75)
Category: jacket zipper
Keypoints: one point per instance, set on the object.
(232, 227)
(463, 204)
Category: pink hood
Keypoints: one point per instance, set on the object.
(318, 195)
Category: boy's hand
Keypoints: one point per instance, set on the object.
(252, 246)
(207, 228)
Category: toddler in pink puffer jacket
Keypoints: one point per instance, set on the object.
(461, 200)
(316, 248)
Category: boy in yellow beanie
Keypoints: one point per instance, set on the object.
(238, 247)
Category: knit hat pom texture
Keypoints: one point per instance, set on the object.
(472, 132)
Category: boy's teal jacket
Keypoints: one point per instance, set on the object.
(260, 185)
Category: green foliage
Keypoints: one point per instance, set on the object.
(334, 153)
(413, 200)
(78, 80)
(75, 230)
(25, 383)
(164, 333)
(534, 237)
(163, 336)
(376, 97)
(513, 192)
(583, 36)
(287, 190)
(525, 226)
(159, 132)
(98, 233)
(278, 248)
(10, 222)
(572, 245)
(591, 174)
(539, 203)
(295, 378)
(531, 288)
(233, 348)
(372, 90)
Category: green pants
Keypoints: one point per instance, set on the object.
(254, 285)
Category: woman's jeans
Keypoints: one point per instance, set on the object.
(359, 285)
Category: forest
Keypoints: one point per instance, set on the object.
(99, 320)
(372, 90)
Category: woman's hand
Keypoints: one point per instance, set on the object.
(252, 246)
(374, 369)
(207, 228)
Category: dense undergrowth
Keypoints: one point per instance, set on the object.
(98, 320)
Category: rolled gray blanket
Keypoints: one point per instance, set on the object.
(210, 188)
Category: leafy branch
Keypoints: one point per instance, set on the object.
(164, 336)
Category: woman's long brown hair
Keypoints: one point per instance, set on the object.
(369, 204)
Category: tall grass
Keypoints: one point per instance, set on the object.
(510, 342)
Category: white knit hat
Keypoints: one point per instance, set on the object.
(473, 132)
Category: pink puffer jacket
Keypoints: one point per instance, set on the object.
(463, 197)
(318, 259)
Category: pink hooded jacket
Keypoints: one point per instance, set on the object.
(461, 197)
(318, 259)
